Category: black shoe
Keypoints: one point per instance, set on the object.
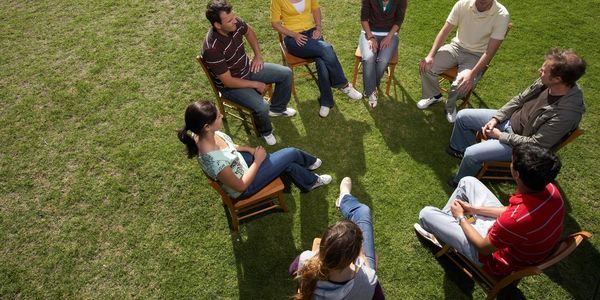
(451, 183)
(454, 153)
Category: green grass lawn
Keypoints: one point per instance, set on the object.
(97, 199)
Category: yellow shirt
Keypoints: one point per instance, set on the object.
(283, 11)
(476, 28)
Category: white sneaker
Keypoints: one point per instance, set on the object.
(324, 111)
(373, 99)
(426, 234)
(351, 92)
(316, 165)
(425, 103)
(270, 139)
(345, 188)
(451, 115)
(321, 180)
(288, 112)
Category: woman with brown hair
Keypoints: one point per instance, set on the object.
(344, 265)
(242, 171)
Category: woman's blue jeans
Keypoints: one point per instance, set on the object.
(468, 122)
(374, 64)
(291, 161)
(329, 69)
(360, 215)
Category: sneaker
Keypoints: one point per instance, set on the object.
(373, 99)
(316, 165)
(270, 139)
(345, 188)
(451, 115)
(321, 180)
(454, 153)
(288, 112)
(324, 111)
(425, 103)
(351, 92)
(426, 234)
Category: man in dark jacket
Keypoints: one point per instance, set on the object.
(542, 114)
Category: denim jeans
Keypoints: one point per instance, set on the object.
(374, 64)
(329, 70)
(360, 215)
(442, 224)
(468, 122)
(291, 161)
(250, 98)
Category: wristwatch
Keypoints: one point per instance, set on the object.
(458, 219)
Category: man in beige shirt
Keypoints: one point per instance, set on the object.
(482, 25)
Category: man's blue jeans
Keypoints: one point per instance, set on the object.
(468, 122)
(360, 215)
(374, 64)
(291, 161)
(329, 69)
(271, 73)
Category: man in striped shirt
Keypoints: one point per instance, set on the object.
(239, 78)
(503, 239)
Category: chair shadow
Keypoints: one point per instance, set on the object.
(259, 249)
(574, 273)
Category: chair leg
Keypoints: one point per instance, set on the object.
(442, 251)
(465, 102)
(391, 68)
(482, 171)
(235, 222)
(294, 85)
(356, 66)
(282, 201)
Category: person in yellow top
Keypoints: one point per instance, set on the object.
(300, 23)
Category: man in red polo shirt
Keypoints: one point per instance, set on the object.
(503, 239)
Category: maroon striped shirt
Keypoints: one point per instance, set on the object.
(527, 232)
(226, 53)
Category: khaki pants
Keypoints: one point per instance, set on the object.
(448, 56)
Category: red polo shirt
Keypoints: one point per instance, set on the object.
(226, 53)
(527, 232)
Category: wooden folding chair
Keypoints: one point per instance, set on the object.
(500, 170)
(450, 75)
(230, 108)
(293, 62)
(268, 198)
(390, 69)
(492, 285)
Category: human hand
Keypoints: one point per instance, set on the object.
(260, 87)
(465, 81)
(488, 127)
(316, 34)
(373, 45)
(300, 39)
(466, 206)
(457, 209)
(386, 42)
(257, 64)
(259, 154)
(425, 64)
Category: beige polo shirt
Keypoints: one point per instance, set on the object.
(476, 28)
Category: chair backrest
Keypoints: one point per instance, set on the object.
(224, 196)
(568, 138)
(211, 80)
(564, 248)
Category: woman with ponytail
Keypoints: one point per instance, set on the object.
(242, 171)
(344, 265)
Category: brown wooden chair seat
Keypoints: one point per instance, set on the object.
(268, 198)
